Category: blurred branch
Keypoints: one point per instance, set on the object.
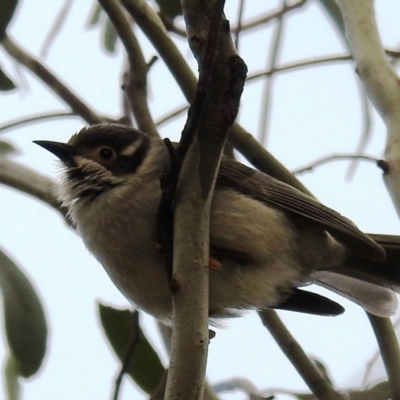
(308, 63)
(27, 181)
(255, 23)
(375, 358)
(241, 27)
(268, 82)
(172, 114)
(150, 23)
(56, 27)
(304, 366)
(77, 105)
(136, 89)
(302, 64)
(239, 23)
(380, 81)
(333, 157)
(35, 118)
(382, 86)
(242, 384)
(365, 129)
(247, 145)
(390, 352)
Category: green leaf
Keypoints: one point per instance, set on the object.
(171, 8)
(146, 368)
(6, 83)
(7, 148)
(95, 14)
(110, 36)
(25, 323)
(7, 8)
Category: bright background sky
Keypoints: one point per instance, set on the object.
(315, 112)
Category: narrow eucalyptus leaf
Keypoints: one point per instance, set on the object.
(95, 14)
(25, 323)
(6, 84)
(7, 10)
(145, 368)
(110, 36)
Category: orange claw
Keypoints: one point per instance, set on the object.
(213, 263)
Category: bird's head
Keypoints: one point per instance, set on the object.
(97, 159)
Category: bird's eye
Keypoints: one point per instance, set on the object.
(106, 153)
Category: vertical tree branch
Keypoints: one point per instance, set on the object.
(214, 108)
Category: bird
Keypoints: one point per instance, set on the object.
(268, 240)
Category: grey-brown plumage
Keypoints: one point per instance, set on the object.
(270, 238)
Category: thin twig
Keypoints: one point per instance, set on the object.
(255, 23)
(268, 18)
(390, 352)
(333, 157)
(137, 85)
(128, 353)
(239, 23)
(171, 115)
(50, 80)
(302, 64)
(304, 366)
(35, 118)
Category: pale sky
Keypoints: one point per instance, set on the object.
(315, 112)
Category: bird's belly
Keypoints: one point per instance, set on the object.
(132, 259)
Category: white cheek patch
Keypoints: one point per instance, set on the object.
(131, 149)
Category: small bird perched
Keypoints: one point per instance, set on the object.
(266, 238)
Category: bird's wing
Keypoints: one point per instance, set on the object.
(268, 190)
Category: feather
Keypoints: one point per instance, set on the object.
(375, 299)
(268, 190)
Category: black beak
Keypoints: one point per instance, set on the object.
(63, 151)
